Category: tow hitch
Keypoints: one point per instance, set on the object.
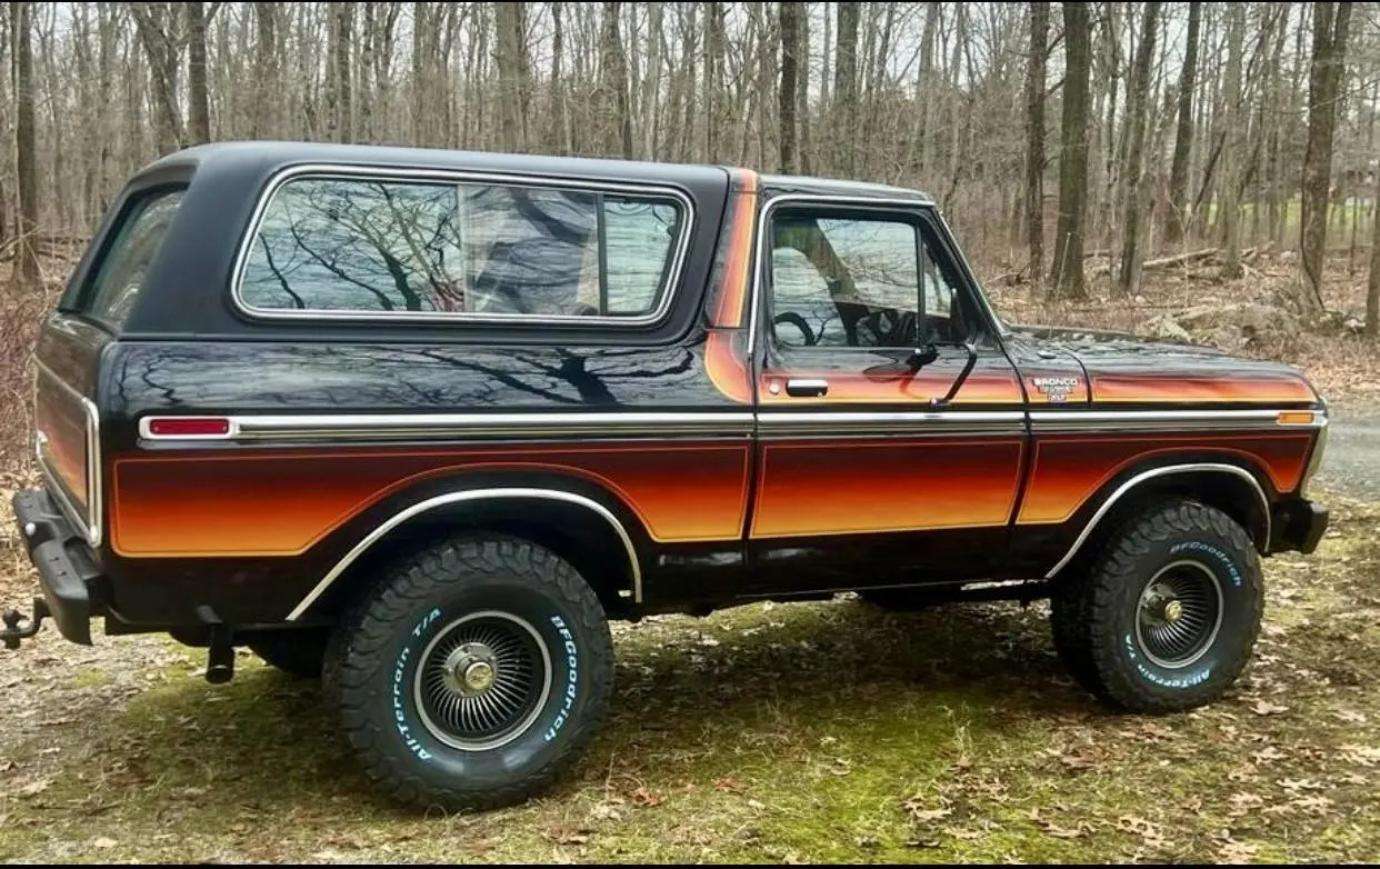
(17, 628)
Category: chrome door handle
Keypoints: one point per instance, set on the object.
(805, 388)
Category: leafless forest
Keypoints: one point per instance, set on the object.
(1049, 133)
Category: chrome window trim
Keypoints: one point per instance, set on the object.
(353, 427)
(460, 497)
(90, 524)
(1209, 467)
(1054, 421)
(764, 214)
(455, 176)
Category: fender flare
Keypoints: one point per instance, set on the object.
(1153, 473)
(489, 494)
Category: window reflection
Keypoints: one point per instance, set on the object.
(858, 282)
(382, 246)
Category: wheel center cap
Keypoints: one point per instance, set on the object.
(479, 676)
(1173, 610)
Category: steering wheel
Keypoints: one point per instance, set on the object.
(797, 321)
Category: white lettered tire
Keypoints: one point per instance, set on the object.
(474, 672)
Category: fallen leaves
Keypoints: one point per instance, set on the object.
(1265, 707)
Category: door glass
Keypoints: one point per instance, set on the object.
(871, 282)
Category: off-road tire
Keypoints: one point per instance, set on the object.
(299, 653)
(1095, 615)
(371, 670)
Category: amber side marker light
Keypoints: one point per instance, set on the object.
(189, 426)
(1296, 417)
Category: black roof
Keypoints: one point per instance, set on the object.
(268, 156)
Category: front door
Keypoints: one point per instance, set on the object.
(891, 425)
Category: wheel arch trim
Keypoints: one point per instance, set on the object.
(470, 495)
(1154, 473)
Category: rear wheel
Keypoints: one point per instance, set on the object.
(1167, 617)
(477, 670)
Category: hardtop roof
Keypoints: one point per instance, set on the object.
(268, 157)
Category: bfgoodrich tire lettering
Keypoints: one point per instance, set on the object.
(383, 662)
(1169, 613)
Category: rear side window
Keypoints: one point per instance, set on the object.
(376, 247)
(120, 278)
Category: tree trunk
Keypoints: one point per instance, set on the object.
(1035, 139)
(344, 22)
(614, 72)
(790, 54)
(1067, 275)
(155, 25)
(844, 110)
(27, 275)
(1183, 137)
(1373, 287)
(199, 105)
(1230, 198)
(508, 48)
(1331, 22)
(802, 95)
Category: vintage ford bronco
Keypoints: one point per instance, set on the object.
(421, 422)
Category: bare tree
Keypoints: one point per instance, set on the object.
(1035, 138)
(157, 25)
(1136, 179)
(26, 268)
(1067, 276)
(1373, 285)
(613, 71)
(509, 49)
(787, 96)
(1331, 22)
(1232, 162)
(846, 80)
(1183, 136)
(199, 104)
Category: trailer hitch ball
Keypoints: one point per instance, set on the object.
(18, 628)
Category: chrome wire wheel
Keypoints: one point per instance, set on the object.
(482, 680)
(1179, 614)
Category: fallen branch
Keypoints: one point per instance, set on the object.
(1165, 262)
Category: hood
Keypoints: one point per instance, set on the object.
(1124, 370)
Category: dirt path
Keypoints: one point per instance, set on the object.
(1352, 461)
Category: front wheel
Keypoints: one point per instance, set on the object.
(475, 672)
(1168, 615)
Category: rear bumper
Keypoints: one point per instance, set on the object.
(67, 570)
(1298, 526)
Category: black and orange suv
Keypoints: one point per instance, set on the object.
(421, 422)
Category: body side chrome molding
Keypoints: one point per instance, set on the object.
(1205, 467)
(90, 524)
(379, 426)
(773, 424)
(472, 495)
(1057, 421)
(456, 176)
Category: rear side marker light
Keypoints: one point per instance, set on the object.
(185, 427)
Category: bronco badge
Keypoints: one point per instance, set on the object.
(1055, 388)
